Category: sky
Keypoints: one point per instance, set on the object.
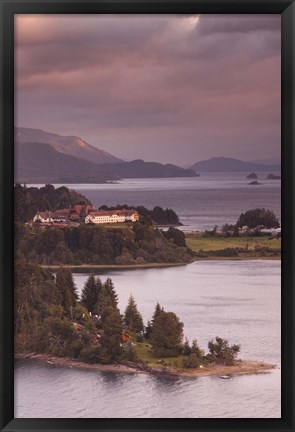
(166, 88)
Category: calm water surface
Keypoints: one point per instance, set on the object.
(238, 300)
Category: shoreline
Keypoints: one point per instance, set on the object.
(113, 266)
(157, 265)
(241, 367)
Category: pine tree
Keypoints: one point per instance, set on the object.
(158, 311)
(148, 331)
(67, 289)
(186, 348)
(111, 323)
(132, 317)
(107, 297)
(71, 285)
(90, 293)
(111, 291)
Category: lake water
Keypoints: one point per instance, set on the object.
(200, 202)
(237, 300)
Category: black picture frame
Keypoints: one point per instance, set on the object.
(10, 7)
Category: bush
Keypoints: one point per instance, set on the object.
(220, 351)
(90, 354)
(192, 361)
(129, 351)
(75, 348)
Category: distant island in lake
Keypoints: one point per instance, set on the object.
(227, 164)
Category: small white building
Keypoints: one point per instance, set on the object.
(50, 217)
(111, 216)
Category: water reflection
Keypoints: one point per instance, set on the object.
(252, 319)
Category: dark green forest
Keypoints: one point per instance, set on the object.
(137, 243)
(93, 244)
(50, 318)
(29, 200)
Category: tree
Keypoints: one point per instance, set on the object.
(67, 289)
(35, 291)
(256, 217)
(107, 297)
(192, 361)
(90, 292)
(195, 349)
(186, 348)
(167, 334)
(221, 352)
(132, 317)
(158, 215)
(176, 236)
(71, 286)
(112, 329)
(60, 334)
(193, 354)
(148, 331)
(157, 312)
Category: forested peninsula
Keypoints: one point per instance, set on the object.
(78, 243)
(54, 325)
(137, 244)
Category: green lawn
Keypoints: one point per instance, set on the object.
(199, 243)
(144, 352)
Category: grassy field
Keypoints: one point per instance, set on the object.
(199, 243)
(144, 352)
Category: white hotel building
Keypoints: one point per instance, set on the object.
(111, 216)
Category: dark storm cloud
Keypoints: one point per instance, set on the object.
(144, 86)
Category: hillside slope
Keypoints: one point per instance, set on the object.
(41, 163)
(70, 145)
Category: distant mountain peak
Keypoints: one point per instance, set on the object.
(45, 157)
(70, 145)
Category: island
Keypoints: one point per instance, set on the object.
(255, 182)
(273, 177)
(252, 176)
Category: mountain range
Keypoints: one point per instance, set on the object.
(226, 164)
(42, 157)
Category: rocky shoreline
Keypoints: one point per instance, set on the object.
(240, 367)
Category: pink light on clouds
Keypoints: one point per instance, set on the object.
(146, 86)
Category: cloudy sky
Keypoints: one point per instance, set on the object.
(164, 88)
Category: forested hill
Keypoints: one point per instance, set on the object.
(29, 200)
(96, 245)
